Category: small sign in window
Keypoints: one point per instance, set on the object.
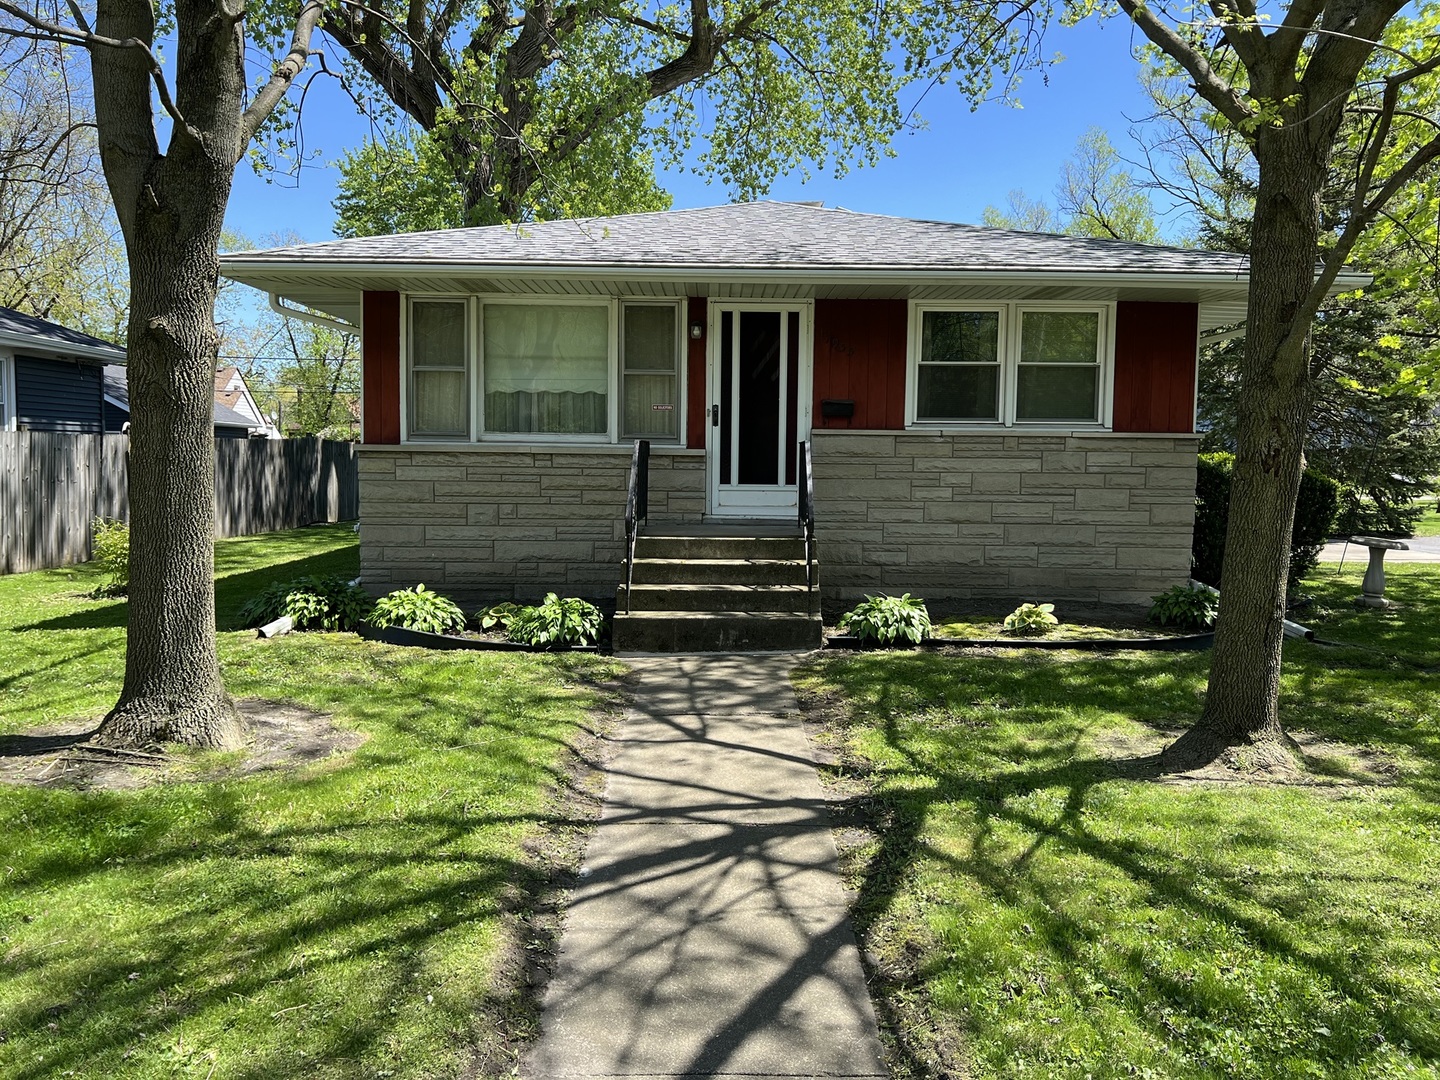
(662, 408)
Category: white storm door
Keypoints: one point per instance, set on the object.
(760, 376)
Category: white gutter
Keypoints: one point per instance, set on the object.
(379, 267)
(1214, 338)
(305, 316)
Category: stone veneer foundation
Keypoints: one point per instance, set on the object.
(1024, 517)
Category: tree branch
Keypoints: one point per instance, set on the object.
(1207, 82)
(85, 38)
(284, 74)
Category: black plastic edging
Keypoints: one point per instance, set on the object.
(1177, 643)
(396, 635)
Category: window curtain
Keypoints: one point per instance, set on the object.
(440, 401)
(547, 369)
(649, 365)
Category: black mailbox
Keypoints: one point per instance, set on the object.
(837, 409)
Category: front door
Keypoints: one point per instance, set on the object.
(760, 370)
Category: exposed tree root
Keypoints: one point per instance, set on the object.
(142, 723)
(1269, 752)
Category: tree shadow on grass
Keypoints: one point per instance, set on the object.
(979, 804)
(231, 594)
(314, 929)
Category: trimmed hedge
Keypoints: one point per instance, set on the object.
(1315, 511)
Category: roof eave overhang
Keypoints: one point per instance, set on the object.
(255, 271)
(62, 350)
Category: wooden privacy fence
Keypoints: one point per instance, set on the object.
(53, 485)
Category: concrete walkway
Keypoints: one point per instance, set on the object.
(708, 936)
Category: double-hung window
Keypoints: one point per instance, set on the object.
(439, 389)
(1058, 374)
(958, 373)
(1008, 364)
(510, 367)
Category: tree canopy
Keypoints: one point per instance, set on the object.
(543, 110)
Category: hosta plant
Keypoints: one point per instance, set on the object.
(888, 619)
(312, 603)
(557, 621)
(488, 618)
(1190, 607)
(418, 609)
(1031, 619)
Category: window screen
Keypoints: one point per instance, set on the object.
(1059, 372)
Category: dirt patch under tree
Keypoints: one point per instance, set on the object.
(277, 735)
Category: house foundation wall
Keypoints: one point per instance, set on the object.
(1015, 517)
(517, 524)
(1095, 519)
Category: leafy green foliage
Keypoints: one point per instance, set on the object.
(311, 602)
(1186, 606)
(1370, 517)
(740, 93)
(568, 621)
(418, 609)
(1315, 512)
(497, 615)
(888, 619)
(1031, 619)
(110, 545)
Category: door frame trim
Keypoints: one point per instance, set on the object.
(804, 404)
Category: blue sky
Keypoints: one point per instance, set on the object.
(961, 162)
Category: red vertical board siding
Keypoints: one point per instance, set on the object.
(1155, 365)
(380, 367)
(696, 422)
(860, 356)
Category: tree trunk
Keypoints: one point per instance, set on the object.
(171, 208)
(1240, 722)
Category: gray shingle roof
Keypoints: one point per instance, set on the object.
(760, 236)
(117, 389)
(22, 331)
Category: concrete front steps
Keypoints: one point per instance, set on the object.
(719, 593)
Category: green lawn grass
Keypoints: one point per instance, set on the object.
(349, 919)
(1429, 524)
(1037, 908)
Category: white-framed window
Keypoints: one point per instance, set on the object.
(650, 349)
(525, 368)
(1057, 375)
(958, 365)
(1009, 365)
(7, 392)
(438, 352)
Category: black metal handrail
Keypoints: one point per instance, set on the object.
(637, 509)
(807, 512)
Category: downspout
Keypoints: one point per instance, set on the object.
(305, 316)
(1291, 629)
